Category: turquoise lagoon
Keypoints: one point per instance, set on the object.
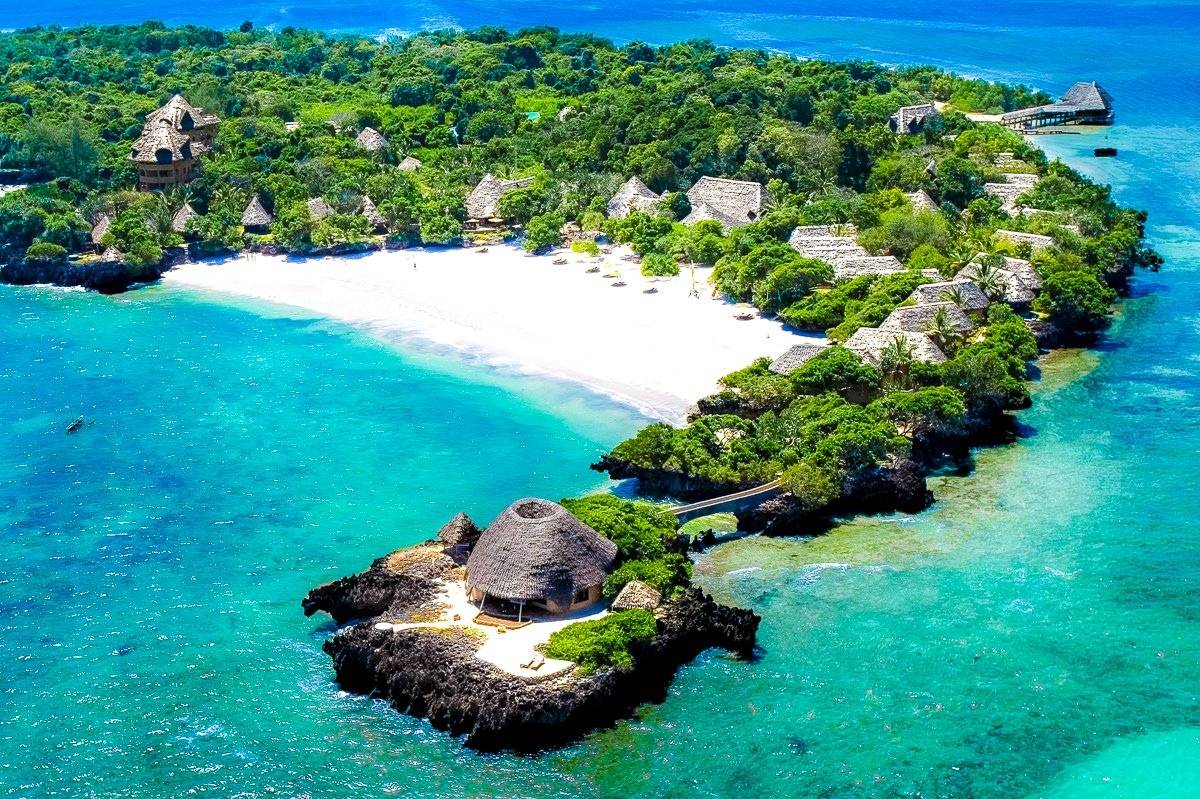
(1034, 634)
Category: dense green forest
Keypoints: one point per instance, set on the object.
(579, 115)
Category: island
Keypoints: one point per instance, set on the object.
(531, 631)
(903, 249)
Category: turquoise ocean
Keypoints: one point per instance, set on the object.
(1034, 634)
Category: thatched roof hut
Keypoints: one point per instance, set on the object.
(368, 210)
(920, 318)
(182, 115)
(637, 595)
(160, 143)
(409, 164)
(850, 268)
(1014, 185)
(921, 201)
(733, 203)
(318, 209)
(113, 255)
(255, 217)
(537, 551)
(963, 293)
(483, 201)
(912, 118)
(1016, 291)
(1034, 240)
(795, 357)
(103, 223)
(634, 195)
(185, 214)
(459, 531)
(371, 140)
(869, 343)
(832, 244)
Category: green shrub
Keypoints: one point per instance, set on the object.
(665, 574)
(660, 264)
(585, 247)
(639, 529)
(812, 486)
(45, 252)
(603, 643)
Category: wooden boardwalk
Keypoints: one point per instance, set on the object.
(764, 491)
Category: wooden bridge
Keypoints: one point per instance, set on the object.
(749, 497)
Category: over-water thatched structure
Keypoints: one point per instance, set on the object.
(536, 552)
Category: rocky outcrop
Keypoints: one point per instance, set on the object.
(107, 277)
(433, 672)
(664, 482)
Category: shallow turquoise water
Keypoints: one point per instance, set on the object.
(1034, 634)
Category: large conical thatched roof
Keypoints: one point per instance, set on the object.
(161, 144)
(637, 594)
(459, 530)
(255, 215)
(536, 549)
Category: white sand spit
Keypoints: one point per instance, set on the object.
(658, 352)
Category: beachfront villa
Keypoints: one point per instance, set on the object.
(870, 344)
(103, 223)
(912, 118)
(733, 203)
(172, 138)
(1036, 241)
(963, 293)
(1013, 186)
(921, 201)
(634, 195)
(256, 219)
(922, 318)
(484, 200)
(537, 555)
(1085, 103)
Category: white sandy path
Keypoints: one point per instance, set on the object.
(657, 352)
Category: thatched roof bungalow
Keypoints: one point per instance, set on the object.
(795, 357)
(483, 201)
(409, 164)
(113, 255)
(1014, 185)
(634, 195)
(538, 553)
(921, 201)
(1016, 291)
(920, 318)
(163, 156)
(963, 293)
(185, 214)
(1034, 240)
(103, 223)
(848, 268)
(733, 203)
(256, 219)
(869, 343)
(637, 595)
(832, 244)
(371, 140)
(318, 209)
(368, 210)
(912, 118)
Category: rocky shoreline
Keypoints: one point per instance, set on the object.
(433, 672)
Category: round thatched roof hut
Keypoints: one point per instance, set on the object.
(459, 530)
(537, 552)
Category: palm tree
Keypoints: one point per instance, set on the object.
(954, 294)
(989, 276)
(896, 360)
(943, 331)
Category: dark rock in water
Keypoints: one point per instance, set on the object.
(434, 674)
(107, 277)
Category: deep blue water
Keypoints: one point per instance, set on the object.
(1034, 634)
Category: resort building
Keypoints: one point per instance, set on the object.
(409, 164)
(795, 357)
(171, 140)
(377, 220)
(103, 223)
(318, 209)
(963, 293)
(1085, 103)
(1034, 240)
(372, 140)
(912, 118)
(869, 343)
(921, 318)
(633, 196)
(198, 125)
(733, 203)
(484, 200)
(850, 268)
(1014, 186)
(163, 155)
(921, 201)
(1013, 289)
(256, 219)
(537, 555)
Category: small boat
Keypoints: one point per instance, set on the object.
(650, 290)
(1105, 152)
(482, 250)
(618, 284)
(744, 316)
(75, 426)
(559, 261)
(593, 270)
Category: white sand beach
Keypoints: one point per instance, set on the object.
(658, 352)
